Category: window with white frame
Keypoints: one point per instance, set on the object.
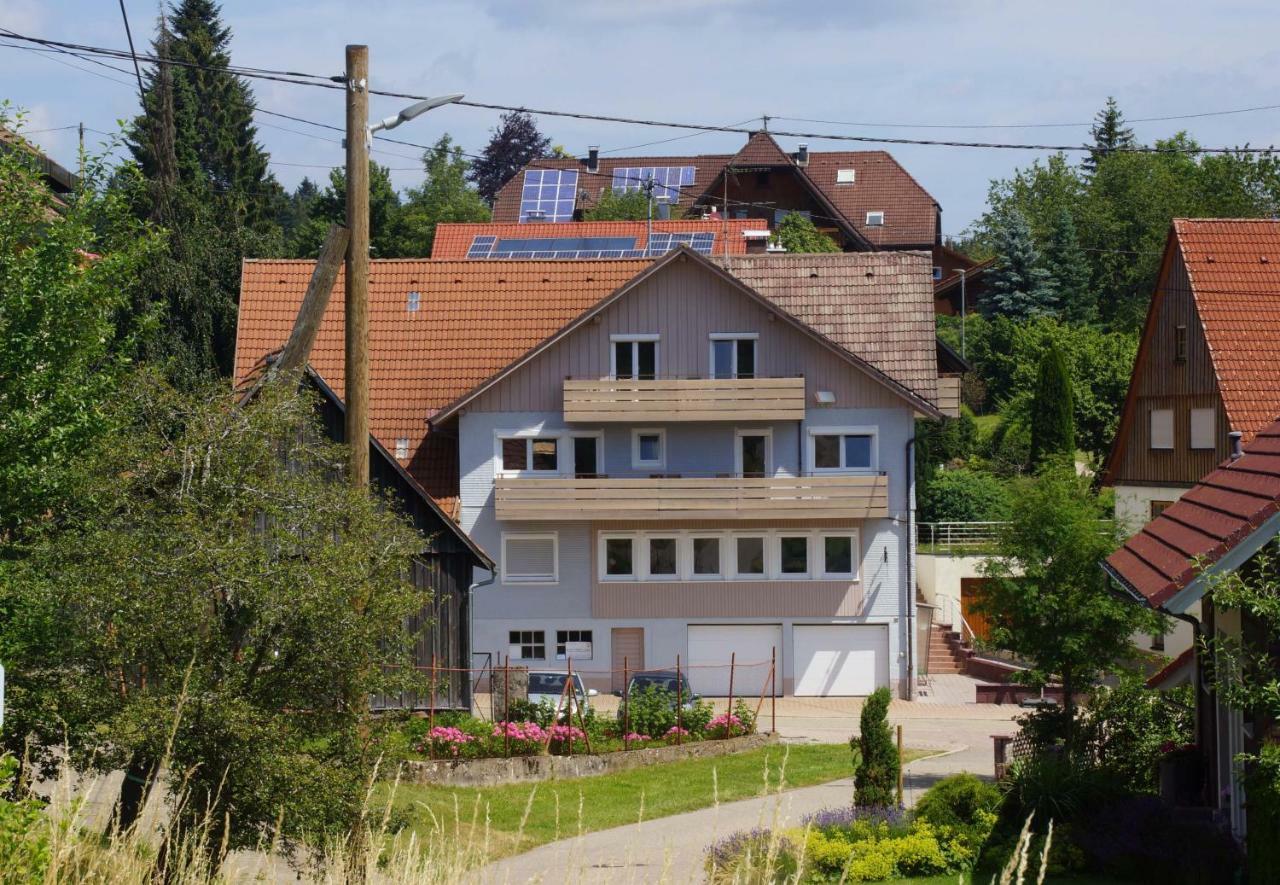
(875, 219)
(588, 453)
(527, 645)
(527, 453)
(414, 302)
(1204, 428)
(530, 558)
(1162, 429)
(648, 448)
(574, 644)
(733, 354)
(753, 453)
(634, 356)
(842, 449)
(689, 555)
(402, 448)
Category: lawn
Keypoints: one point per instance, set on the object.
(982, 879)
(565, 807)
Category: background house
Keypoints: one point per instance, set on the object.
(597, 239)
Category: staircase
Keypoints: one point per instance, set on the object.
(946, 653)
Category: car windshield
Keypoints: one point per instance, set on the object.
(664, 681)
(551, 683)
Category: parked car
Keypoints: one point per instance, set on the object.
(548, 686)
(665, 680)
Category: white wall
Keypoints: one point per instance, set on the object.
(938, 578)
(1133, 503)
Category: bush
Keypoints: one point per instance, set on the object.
(651, 711)
(522, 710)
(24, 837)
(1262, 784)
(1126, 727)
(872, 853)
(963, 495)
(1141, 839)
(876, 780)
(751, 858)
(961, 800)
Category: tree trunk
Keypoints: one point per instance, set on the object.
(138, 775)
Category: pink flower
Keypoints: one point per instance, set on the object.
(567, 733)
(677, 730)
(520, 731)
(633, 737)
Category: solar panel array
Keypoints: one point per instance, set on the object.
(667, 180)
(548, 194)
(491, 247)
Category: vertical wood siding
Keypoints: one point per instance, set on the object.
(685, 305)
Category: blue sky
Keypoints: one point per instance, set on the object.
(710, 61)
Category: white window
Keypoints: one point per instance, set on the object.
(527, 645)
(574, 644)
(662, 562)
(753, 453)
(776, 554)
(633, 356)
(843, 449)
(707, 557)
(648, 448)
(1162, 429)
(793, 555)
(618, 557)
(402, 448)
(1204, 428)
(875, 219)
(414, 302)
(530, 558)
(733, 355)
(846, 176)
(749, 559)
(518, 453)
(838, 555)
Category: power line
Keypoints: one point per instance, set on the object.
(1163, 119)
(137, 70)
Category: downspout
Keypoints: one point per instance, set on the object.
(909, 590)
(471, 639)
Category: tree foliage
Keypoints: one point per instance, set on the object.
(514, 142)
(67, 272)
(1018, 286)
(215, 602)
(962, 494)
(875, 783)
(1108, 133)
(1053, 426)
(796, 233)
(613, 206)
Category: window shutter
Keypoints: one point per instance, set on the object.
(1204, 429)
(1162, 428)
(530, 559)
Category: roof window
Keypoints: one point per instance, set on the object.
(402, 448)
(414, 302)
(875, 219)
(845, 176)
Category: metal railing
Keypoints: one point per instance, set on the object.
(957, 537)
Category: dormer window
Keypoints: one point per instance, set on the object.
(634, 356)
(875, 219)
(414, 302)
(733, 355)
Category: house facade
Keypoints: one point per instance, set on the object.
(712, 465)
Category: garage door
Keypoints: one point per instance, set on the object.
(711, 647)
(840, 660)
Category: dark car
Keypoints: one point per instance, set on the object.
(665, 680)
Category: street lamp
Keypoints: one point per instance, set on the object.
(414, 110)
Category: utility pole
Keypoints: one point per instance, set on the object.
(963, 306)
(647, 185)
(356, 382)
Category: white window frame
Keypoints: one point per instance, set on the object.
(603, 559)
(809, 571)
(402, 448)
(855, 559)
(633, 339)
(1151, 430)
(770, 557)
(598, 435)
(721, 572)
(1210, 442)
(738, 434)
(731, 336)
(521, 656)
(871, 215)
(555, 646)
(646, 538)
(873, 432)
(528, 434)
(638, 464)
(850, 178)
(554, 537)
(414, 302)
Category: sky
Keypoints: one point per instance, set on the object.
(854, 65)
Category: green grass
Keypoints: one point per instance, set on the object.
(954, 879)
(560, 808)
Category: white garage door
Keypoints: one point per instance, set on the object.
(711, 647)
(840, 660)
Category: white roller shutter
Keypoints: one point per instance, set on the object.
(712, 646)
(840, 660)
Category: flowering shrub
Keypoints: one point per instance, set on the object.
(636, 738)
(751, 856)
(676, 731)
(563, 736)
(890, 815)
(444, 740)
(526, 738)
(726, 725)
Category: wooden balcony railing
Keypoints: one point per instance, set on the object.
(949, 395)
(684, 399)
(684, 497)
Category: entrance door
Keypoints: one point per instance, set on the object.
(971, 590)
(628, 647)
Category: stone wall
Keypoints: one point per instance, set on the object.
(518, 769)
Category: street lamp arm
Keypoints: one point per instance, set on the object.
(414, 110)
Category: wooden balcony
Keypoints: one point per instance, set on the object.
(681, 497)
(949, 395)
(684, 399)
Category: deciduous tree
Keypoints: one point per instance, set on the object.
(514, 142)
(795, 233)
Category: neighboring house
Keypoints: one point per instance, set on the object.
(959, 282)
(685, 456)
(864, 200)
(57, 178)
(1215, 527)
(597, 239)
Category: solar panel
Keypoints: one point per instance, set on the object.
(484, 247)
(667, 180)
(548, 194)
(660, 244)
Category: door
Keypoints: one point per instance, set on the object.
(971, 591)
(713, 647)
(586, 456)
(628, 652)
(840, 660)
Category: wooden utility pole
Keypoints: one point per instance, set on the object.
(298, 348)
(356, 382)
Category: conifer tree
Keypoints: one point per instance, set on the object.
(1053, 425)
(1018, 286)
(1109, 132)
(515, 141)
(1069, 271)
(876, 780)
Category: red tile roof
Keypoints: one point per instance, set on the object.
(453, 240)
(1205, 524)
(1234, 267)
(881, 184)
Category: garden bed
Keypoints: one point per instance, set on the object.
(518, 769)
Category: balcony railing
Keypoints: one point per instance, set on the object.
(669, 497)
(684, 399)
(957, 538)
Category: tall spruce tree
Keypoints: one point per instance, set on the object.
(1018, 286)
(515, 141)
(1108, 132)
(1053, 424)
(1069, 270)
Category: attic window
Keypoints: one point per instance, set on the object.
(1180, 344)
(415, 300)
(845, 176)
(402, 448)
(937, 272)
(875, 219)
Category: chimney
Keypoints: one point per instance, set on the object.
(1236, 439)
(593, 158)
(802, 155)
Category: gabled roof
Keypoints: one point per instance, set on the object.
(452, 241)
(972, 275)
(880, 184)
(873, 309)
(1228, 512)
